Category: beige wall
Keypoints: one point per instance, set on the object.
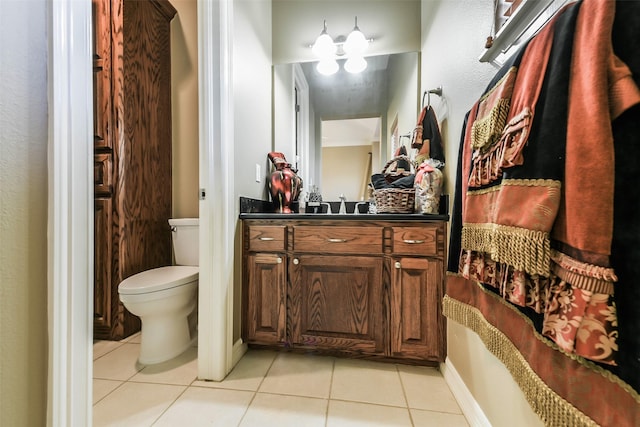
(184, 99)
(453, 36)
(23, 213)
(343, 172)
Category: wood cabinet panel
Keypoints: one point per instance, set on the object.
(102, 302)
(102, 106)
(338, 239)
(414, 240)
(338, 302)
(416, 329)
(267, 238)
(102, 174)
(266, 299)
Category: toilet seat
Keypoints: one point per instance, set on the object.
(158, 279)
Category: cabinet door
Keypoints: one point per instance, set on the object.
(417, 328)
(336, 303)
(103, 303)
(265, 299)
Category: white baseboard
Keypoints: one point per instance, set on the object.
(239, 349)
(470, 408)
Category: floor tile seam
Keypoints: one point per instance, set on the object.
(131, 380)
(111, 392)
(333, 369)
(438, 411)
(274, 393)
(213, 387)
(170, 405)
(255, 392)
(404, 393)
(120, 344)
(386, 405)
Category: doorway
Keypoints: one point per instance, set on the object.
(350, 150)
(70, 177)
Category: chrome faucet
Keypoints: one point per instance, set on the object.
(356, 211)
(343, 206)
(328, 207)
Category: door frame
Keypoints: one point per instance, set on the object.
(70, 204)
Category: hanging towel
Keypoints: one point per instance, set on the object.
(426, 137)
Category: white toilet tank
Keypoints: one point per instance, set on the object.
(184, 235)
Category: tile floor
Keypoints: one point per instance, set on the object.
(265, 389)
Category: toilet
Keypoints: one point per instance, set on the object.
(165, 297)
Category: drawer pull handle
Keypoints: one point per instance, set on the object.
(279, 260)
(296, 261)
(336, 240)
(398, 265)
(413, 242)
(266, 239)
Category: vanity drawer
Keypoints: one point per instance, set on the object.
(420, 240)
(337, 240)
(267, 238)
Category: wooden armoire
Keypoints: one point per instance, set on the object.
(132, 150)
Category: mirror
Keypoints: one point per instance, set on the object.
(342, 128)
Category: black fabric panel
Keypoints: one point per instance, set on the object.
(625, 250)
(544, 154)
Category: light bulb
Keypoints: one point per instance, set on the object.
(324, 46)
(327, 67)
(355, 64)
(356, 42)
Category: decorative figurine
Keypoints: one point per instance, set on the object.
(284, 184)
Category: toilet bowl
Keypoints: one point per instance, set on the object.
(164, 298)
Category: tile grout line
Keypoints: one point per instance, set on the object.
(404, 392)
(255, 392)
(326, 414)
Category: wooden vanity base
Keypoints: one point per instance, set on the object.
(359, 287)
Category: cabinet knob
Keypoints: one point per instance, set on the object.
(279, 260)
(398, 265)
(296, 261)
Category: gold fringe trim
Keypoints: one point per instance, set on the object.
(548, 183)
(486, 131)
(547, 404)
(585, 276)
(523, 249)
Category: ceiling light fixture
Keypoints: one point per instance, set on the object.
(353, 47)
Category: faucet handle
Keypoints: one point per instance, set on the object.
(356, 211)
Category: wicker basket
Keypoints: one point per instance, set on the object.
(390, 171)
(394, 200)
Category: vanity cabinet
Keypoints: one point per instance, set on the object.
(365, 287)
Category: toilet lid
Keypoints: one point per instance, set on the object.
(158, 279)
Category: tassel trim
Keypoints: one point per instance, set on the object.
(486, 131)
(525, 250)
(547, 404)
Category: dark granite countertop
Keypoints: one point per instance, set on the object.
(259, 209)
(346, 217)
